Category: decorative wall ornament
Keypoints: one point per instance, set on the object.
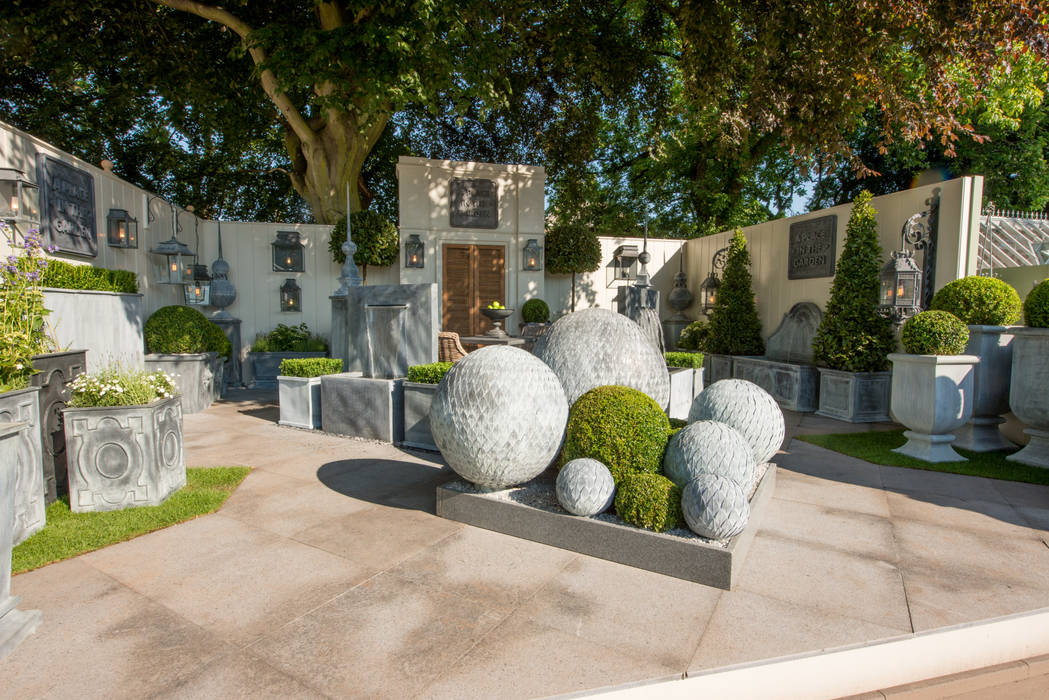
(67, 206)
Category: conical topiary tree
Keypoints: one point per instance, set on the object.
(853, 336)
(734, 327)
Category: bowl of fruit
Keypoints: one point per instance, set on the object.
(496, 312)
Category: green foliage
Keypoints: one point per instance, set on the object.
(432, 373)
(694, 336)
(571, 248)
(535, 311)
(934, 333)
(979, 301)
(286, 338)
(1036, 306)
(182, 330)
(853, 336)
(310, 366)
(22, 311)
(651, 501)
(622, 428)
(116, 386)
(375, 236)
(62, 275)
(693, 360)
(734, 327)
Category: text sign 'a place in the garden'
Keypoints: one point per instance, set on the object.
(474, 203)
(812, 245)
(67, 207)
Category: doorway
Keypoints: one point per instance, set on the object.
(473, 276)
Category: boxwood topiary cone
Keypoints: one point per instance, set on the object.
(734, 327)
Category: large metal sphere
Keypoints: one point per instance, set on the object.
(585, 487)
(498, 417)
(746, 407)
(598, 347)
(708, 447)
(715, 507)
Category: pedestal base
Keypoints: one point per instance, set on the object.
(16, 625)
(1036, 454)
(981, 434)
(929, 448)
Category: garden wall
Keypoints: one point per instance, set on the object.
(1023, 279)
(107, 324)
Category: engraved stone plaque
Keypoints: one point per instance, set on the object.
(474, 203)
(812, 248)
(67, 207)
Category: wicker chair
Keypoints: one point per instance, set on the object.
(449, 349)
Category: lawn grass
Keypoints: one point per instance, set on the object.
(876, 446)
(68, 534)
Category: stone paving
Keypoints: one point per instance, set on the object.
(327, 574)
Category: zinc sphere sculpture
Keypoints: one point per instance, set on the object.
(746, 407)
(715, 507)
(498, 417)
(598, 347)
(708, 447)
(585, 487)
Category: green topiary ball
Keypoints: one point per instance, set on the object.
(934, 333)
(1036, 306)
(535, 311)
(620, 427)
(979, 301)
(182, 330)
(651, 501)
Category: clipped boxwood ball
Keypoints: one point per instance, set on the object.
(709, 447)
(651, 501)
(979, 301)
(746, 407)
(1036, 306)
(715, 507)
(535, 311)
(585, 487)
(183, 330)
(620, 427)
(934, 333)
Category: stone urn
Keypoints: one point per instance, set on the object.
(496, 316)
(993, 345)
(1029, 392)
(932, 395)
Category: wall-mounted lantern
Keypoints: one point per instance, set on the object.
(414, 252)
(533, 256)
(198, 290)
(290, 296)
(624, 262)
(901, 282)
(172, 262)
(121, 229)
(708, 290)
(288, 252)
(19, 199)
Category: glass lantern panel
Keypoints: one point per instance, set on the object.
(30, 203)
(9, 201)
(287, 259)
(888, 289)
(905, 291)
(198, 294)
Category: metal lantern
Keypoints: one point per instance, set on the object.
(624, 260)
(900, 287)
(19, 198)
(172, 262)
(414, 251)
(287, 252)
(708, 290)
(198, 290)
(533, 256)
(121, 229)
(290, 296)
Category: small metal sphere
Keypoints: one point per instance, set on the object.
(585, 487)
(715, 507)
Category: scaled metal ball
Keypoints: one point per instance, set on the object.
(598, 347)
(715, 507)
(498, 417)
(709, 447)
(585, 487)
(746, 407)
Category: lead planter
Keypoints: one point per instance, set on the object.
(264, 367)
(717, 367)
(198, 376)
(55, 371)
(993, 345)
(417, 400)
(685, 385)
(25, 455)
(124, 456)
(856, 397)
(300, 401)
(933, 396)
(1029, 393)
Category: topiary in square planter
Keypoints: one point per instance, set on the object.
(417, 400)
(300, 402)
(25, 456)
(856, 397)
(54, 373)
(264, 367)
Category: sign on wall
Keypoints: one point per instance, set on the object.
(67, 207)
(812, 248)
(474, 203)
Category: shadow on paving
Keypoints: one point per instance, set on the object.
(389, 482)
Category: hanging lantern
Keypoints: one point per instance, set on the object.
(290, 296)
(172, 262)
(121, 229)
(625, 262)
(414, 250)
(287, 252)
(708, 292)
(198, 290)
(19, 198)
(533, 256)
(900, 287)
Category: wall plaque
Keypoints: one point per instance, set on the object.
(474, 203)
(812, 248)
(67, 207)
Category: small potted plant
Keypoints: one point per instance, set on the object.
(299, 389)
(282, 343)
(989, 307)
(535, 319)
(686, 381)
(182, 342)
(932, 385)
(419, 389)
(124, 443)
(1029, 386)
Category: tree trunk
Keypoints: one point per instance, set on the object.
(572, 305)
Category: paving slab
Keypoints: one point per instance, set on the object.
(794, 486)
(239, 675)
(846, 531)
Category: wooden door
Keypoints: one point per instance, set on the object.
(474, 276)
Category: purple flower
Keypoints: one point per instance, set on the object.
(33, 276)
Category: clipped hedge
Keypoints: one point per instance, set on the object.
(694, 336)
(310, 366)
(62, 275)
(535, 311)
(183, 329)
(979, 301)
(622, 428)
(934, 333)
(1036, 306)
(690, 360)
(432, 373)
(651, 501)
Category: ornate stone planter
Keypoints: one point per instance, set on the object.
(417, 400)
(932, 396)
(795, 387)
(263, 368)
(685, 385)
(300, 402)
(197, 375)
(993, 345)
(23, 454)
(856, 397)
(54, 373)
(717, 367)
(1029, 393)
(124, 456)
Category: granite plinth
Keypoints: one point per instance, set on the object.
(362, 406)
(795, 387)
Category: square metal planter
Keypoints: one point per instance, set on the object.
(717, 367)
(55, 371)
(417, 400)
(300, 402)
(197, 375)
(795, 387)
(685, 385)
(124, 456)
(263, 368)
(364, 407)
(856, 397)
(24, 454)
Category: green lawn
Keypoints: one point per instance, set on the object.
(876, 447)
(68, 534)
